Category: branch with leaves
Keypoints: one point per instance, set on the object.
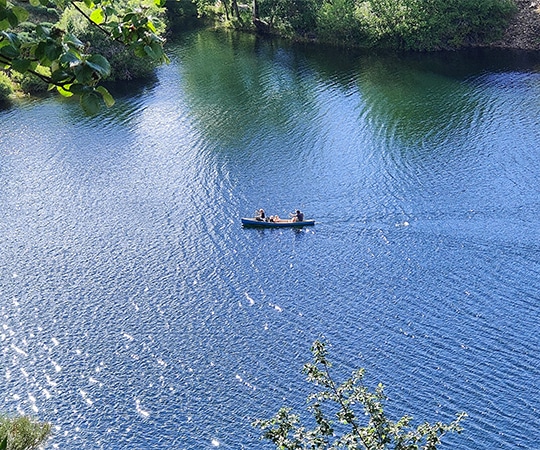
(64, 62)
(359, 420)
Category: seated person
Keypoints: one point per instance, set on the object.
(260, 215)
(298, 216)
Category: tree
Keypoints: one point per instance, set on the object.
(61, 59)
(361, 420)
(22, 433)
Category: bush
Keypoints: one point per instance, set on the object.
(6, 87)
(434, 24)
(22, 433)
(359, 420)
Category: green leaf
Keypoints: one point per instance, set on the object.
(42, 31)
(91, 103)
(9, 51)
(20, 12)
(3, 3)
(151, 26)
(59, 76)
(12, 18)
(97, 16)
(83, 73)
(12, 38)
(70, 57)
(99, 64)
(150, 52)
(89, 3)
(63, 92)
(79, 89)
(20, 65)
(4, 24)
(159, 3)
(35, 2)
(3, 443)
(52, 51)
(73, 41)
(107, 97)
(139, 51)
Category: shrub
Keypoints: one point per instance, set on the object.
(22, 433)
(6, 87)
(348, 415)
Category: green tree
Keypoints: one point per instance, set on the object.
(361, 420)
(22, 433)
(62, 60)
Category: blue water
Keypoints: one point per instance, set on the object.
(137, 313)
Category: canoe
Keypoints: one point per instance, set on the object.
(252, 222)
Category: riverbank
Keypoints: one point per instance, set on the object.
(523, 32)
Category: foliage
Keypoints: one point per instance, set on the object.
(434, 24)
(61, 59)
(337, 22)
(393, 24)
(5, 87)
(124, 66)
(361, 420)
(22, 433)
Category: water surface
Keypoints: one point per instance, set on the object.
(136, 312)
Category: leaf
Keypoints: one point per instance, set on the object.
(73, 41)
(42, 31)
(13, 39)
(150, 52)
(79, 89)
(60, 76)
(12, 18)
(20, 12)
(3, 3)
(89, 3)
(3, 443)
(83, 73)
(63, 92)
(21, 66)
(151, 26)
(91, 103)
(52, 51)
(107, 97)
(9, 51)
(97, 16)
(159, 3)
(99, 64)
(70, 57)
(35, 2)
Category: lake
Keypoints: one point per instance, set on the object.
(137, 313)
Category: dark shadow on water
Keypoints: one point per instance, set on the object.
(5, 105)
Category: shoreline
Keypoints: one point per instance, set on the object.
(523, 31)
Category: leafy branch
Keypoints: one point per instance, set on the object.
(349, 402)
(61, 60)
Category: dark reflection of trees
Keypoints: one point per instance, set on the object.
(4, 105)
(241, 87)
(130, 98)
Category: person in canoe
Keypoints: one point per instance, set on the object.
(298, 216)
(260, 215)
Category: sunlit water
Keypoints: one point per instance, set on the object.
(137, 313)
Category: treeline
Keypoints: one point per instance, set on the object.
(420, 25)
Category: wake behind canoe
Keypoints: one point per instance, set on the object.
(252, 222)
